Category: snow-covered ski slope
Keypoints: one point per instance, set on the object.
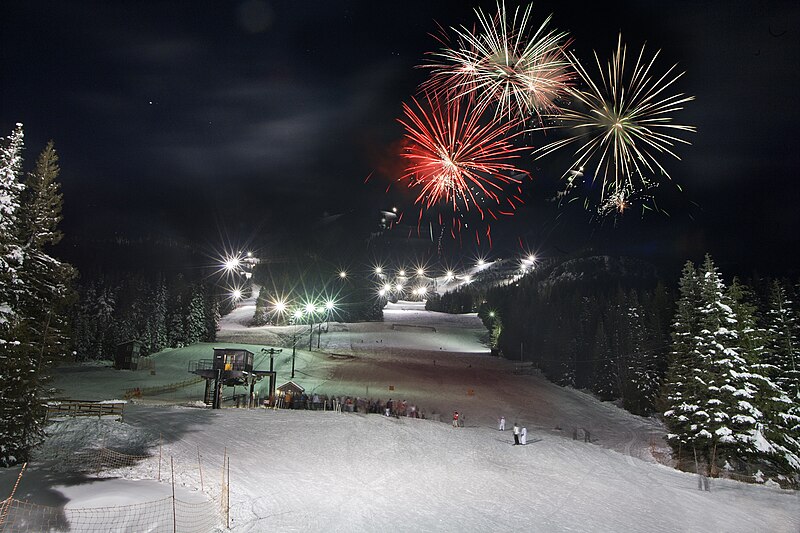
(323, 471)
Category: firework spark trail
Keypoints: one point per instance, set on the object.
(624, 126)
(459, 157)
(498, 64)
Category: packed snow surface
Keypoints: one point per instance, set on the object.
(328, 471)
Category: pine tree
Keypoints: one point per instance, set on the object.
(157, 318)
(11, 187)
(84, 329)
(48, 291)
(586, 326)
(605, 374)
(684, 377)
(778, 397)
(660, 309)
(212, 317)
(784, 350)
(495, 332)
(176, 314)
(728, 419)
(104, 309)
(619, 340)
(642, 384)
(14, 437)
(35, 298)
(261, 315)
(94, 317)
(195, 315)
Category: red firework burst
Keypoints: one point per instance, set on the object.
(459, 157)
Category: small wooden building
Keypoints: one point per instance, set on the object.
(289, 395)
(126, 356)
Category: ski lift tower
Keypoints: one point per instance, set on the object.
(229, 367)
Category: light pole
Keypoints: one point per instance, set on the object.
(310, 310)
(271, 352)
(297, 316)
(328, 306)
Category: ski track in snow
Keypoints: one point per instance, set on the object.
(324, 471)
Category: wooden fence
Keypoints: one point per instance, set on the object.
(138, 392)
(76, 408)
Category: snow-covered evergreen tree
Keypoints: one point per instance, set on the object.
(777, 398)
(47, 282)
(104, 309)
(84, 324)
(784, 350)
(15, 438)
(34, 296)
(684, 377)
(157, 318)
(727, 420)
(261, 315)
(11, 187)
(212, 317)
(195, 315)
(176, 313)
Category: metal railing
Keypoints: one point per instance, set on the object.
(208, 364)
(202, 364)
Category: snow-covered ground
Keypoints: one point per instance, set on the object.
(324, 471)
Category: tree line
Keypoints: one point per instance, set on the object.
(594, 323)
(719, 364)
(731, 395)
(158, 312)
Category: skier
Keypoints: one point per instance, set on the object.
(523, 436)
(502, 425)
(516, 434)
(455, 419)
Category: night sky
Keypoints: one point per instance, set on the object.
(191, 120)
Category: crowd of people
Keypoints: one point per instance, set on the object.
(349, 404)
(395, 408)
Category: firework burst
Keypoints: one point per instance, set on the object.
(505, 63)
(459, 159)
(625, 123)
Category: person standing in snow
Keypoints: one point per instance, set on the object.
(523, 436)
(516, 434)
(502, 424)
(455, 419)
